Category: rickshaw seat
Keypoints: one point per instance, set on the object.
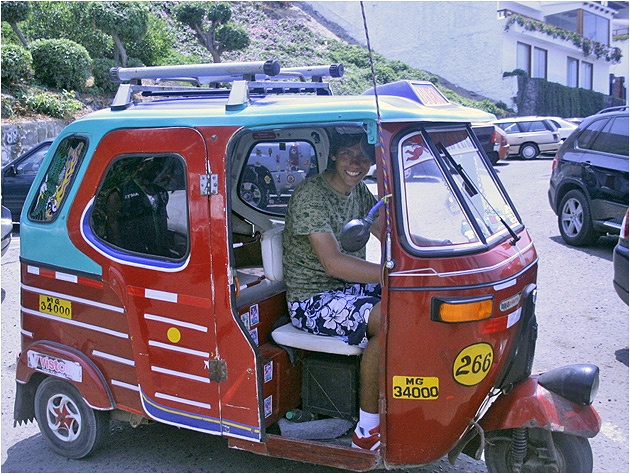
(288, 335)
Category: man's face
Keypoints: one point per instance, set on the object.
(351, 165)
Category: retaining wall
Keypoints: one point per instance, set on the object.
(20, 137)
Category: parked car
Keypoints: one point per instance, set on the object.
(18, 175)
(493, 140)
(7, 228)
(588, 189)
(565, 128)
(530, 136)
(620, 262)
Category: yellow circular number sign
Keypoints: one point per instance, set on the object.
(473, 363)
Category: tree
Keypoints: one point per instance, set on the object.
(124, 21)
(14, 12)
(68, 20)
(211, 23)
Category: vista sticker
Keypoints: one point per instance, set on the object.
(473, 363)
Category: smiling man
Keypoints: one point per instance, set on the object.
(331, 292)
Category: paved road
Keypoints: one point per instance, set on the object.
(580, 318)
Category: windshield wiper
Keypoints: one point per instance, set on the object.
(473, 190)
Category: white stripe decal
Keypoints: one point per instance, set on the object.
(175, 322)
(113, 358)
(33, 270)
(184, 350)
(27, 333)
(504, 285)
(66, 277)
(160, 295)
(80, 324)
(183, 400)
(96, 304)
(182, 375)
(118, 383)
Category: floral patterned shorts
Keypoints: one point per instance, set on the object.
(342, 312)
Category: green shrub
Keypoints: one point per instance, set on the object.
(16, 64)
(100, 71)
(61, 63)
(63, 106)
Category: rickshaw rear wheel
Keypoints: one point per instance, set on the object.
(71, 427)
(573, 453)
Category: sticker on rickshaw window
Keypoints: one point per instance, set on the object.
(416, 388)
(473, 363)
(55, 306)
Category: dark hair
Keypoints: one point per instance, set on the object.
(342, 140)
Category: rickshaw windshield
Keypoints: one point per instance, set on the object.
(450, 200)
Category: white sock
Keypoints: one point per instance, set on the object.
(367, 420)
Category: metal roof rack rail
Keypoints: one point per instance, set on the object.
(617, 108)
(246, 78)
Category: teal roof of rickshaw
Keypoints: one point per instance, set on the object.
(283, 109)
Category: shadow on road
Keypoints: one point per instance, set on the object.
(603, 248)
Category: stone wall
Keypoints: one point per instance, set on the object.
(20, 137)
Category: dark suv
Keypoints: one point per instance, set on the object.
(588, 189)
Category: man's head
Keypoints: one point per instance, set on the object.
(344, 140)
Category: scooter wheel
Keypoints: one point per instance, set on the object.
(573, 453)
(70, 426)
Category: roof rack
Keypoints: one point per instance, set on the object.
(247, 78)
(613, 109)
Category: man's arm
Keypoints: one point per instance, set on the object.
(340, 265)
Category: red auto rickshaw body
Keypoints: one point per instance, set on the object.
(188, 335)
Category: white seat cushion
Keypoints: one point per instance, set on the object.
(271, 247)
(290, 336)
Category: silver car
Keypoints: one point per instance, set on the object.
(530, 136)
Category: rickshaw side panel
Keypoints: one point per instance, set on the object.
(444, 414)
(169, 308)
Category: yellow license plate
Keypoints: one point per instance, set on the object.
(416, 388)
(55, 306)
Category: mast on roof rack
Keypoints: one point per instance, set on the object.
(246, 78)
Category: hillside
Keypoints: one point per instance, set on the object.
(289, 32)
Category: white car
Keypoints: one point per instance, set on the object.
(564, 126)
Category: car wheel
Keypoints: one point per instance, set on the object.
(494, 157)
(70, 426)
(529, 151)
(574, 220)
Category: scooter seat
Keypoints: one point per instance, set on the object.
(290, 336)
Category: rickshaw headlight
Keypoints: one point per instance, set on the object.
(578, 382)
(461, 310)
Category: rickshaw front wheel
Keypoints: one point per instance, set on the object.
(572, 453)
(71, 427)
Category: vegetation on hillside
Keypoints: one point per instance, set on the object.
(162, 33)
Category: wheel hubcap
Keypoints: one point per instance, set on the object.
(63, 417)
(572, 217)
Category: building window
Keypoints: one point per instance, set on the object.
(595, 27)
(587, 24)
(586, 77)
(540, 63)
(572, 72)
(523, 57)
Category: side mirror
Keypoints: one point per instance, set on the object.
(356, 233)
(11, 171)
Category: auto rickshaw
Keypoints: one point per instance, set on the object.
(177, 313)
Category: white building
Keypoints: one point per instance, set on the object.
(473, 43)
